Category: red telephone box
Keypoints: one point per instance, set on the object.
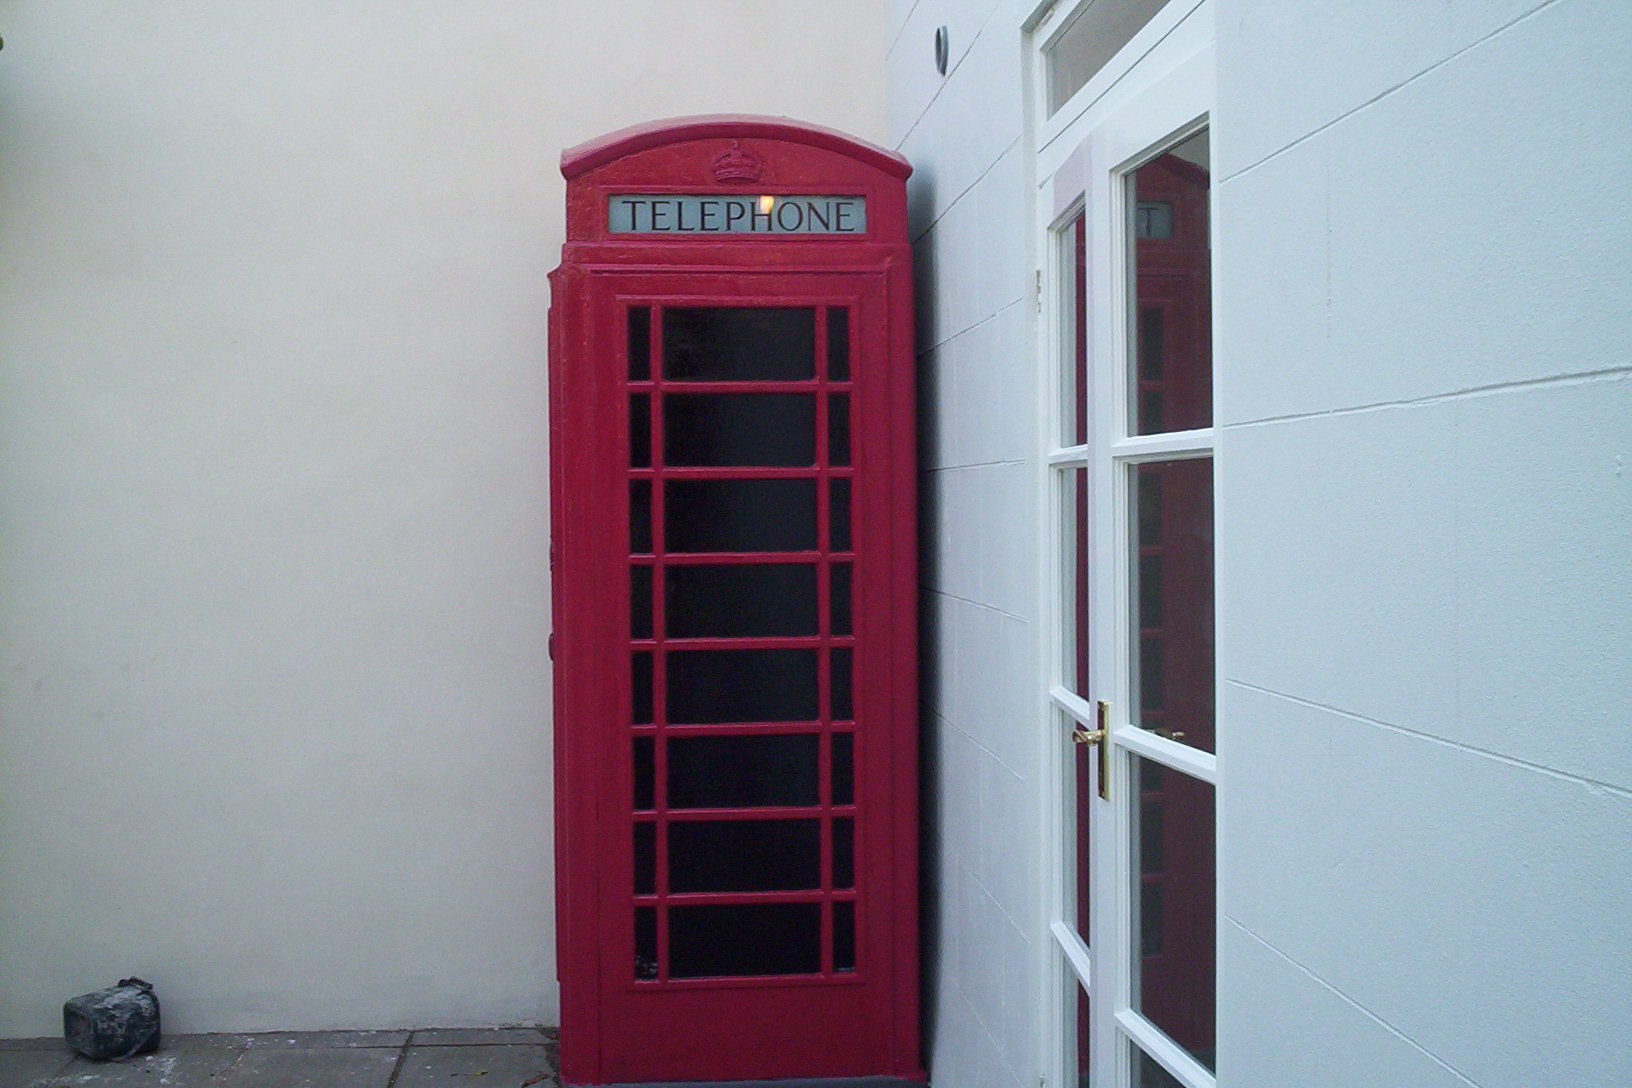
(732, 440)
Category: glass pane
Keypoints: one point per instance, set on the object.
(1075, 379)
(1171, 368)
(1074, 578)
(710, 686)
(640, 343)
(1173, 605)
(1083, 1003)
(839, 514)
(1172, 981)
(840, 587)
(844, 748)
(844, 936)
(644, 773)
(1148, 1074)
(746, 939)
(739, 515)
(645, 942)
(841, 686)
(769, 429)
(1085, 759)
(739, 343)
(838, 344)
(645, 858)
(640, 602)
(640, 516)
(742, 772)
(838, 429)
(742, 600)
(745, 855)
(640, 431)
(1090, 40)
(640, 687)
(844, 853)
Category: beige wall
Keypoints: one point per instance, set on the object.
(274, 695)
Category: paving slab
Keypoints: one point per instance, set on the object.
(326, 1040)
(478, 1036)
(311, 1067)
(30, 1068)
(44, 1042)
(164, 1069)
(508, 1066)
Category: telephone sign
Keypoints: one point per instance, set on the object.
(731, 418)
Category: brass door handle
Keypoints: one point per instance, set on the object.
(1100, 737)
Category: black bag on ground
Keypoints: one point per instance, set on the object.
(118, 1022)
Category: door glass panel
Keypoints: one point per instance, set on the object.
(640, 602)
(745, 939)
(840, 587)
(1147, 1073)
(640, 431)
(1091, 39)
(839, 515)
(1172, 662)
(844, 853)
(1078, 1009)
(841, 686)
(640, 516)
(645, 942)
(744, 855)
(640, 686)
(1084, 760)
(644, 773)
(710, 686)
(844, 936)
(711, 601)
(838, 429)
(1074, 579)
(768, 429)
(743, 771)
(1171, 369)
(838, 344)
(844, 747)
(640, 343)
(1173, 907)
(645, 858)
(739, 515)
(739, 343)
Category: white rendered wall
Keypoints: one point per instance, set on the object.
(1424, 357)
(980, 632)
(274, 695)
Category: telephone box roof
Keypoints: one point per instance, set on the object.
(615, 145)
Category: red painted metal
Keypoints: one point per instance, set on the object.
(831, 1022)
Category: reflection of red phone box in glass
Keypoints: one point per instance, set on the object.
(734, 558)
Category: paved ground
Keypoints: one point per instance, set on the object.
(443, 1057)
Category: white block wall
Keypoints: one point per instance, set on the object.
(980, 634)
(274, 695)
(1424, 357)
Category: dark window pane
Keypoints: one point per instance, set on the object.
(1151, 343)
(742, 772)
(841, 683)
(844, 936)
(645, 942)
(640, 343)
(645, 858)
(841, 598)
(844, 747)
(640, 431)
(726, 601)
(739, 343)
(1173, 668)
(839, 516)
(838, 429)
(708, 686)
(640, 602)
(838, 344)
(764, 429)
(844, 853)
(748, 939)
(1150, 590)
(1147, 1074)
(740, 515)
(744, 855)
(644, 773)
(640, 687)
(640, 516)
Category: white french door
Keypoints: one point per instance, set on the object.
(1124, 209)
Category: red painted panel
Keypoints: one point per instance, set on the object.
(623, 1020)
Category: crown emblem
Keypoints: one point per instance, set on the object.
(735, 164)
